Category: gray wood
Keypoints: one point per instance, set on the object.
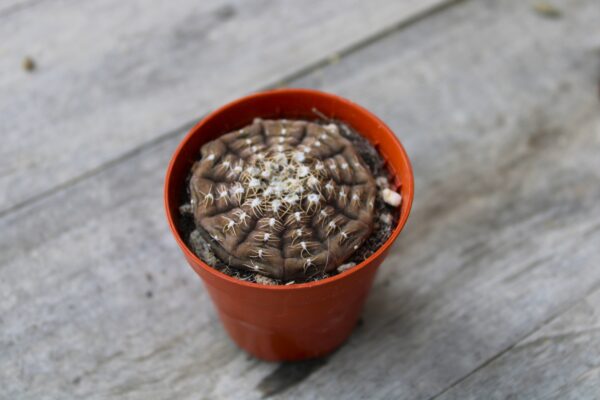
(559, 361)
(498, 109)
(112, 75)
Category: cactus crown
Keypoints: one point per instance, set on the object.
(286, 199)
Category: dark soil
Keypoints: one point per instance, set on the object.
(386, 220)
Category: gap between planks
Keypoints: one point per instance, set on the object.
(573, 304)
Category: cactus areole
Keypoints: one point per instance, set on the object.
(284, 198)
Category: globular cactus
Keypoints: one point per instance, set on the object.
(286, 199)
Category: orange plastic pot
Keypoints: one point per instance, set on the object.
(296, 321)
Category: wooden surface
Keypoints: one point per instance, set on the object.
(492, 290)
(113, 75)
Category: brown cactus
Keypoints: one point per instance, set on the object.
(286, 199)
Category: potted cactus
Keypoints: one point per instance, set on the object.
(286, 199)
(276, 191)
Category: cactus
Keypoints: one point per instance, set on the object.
(286, 199)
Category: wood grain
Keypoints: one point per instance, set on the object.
(559, 361)
(112, 75)
(498, 109)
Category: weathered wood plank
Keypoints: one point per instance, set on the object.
(111, 75)
(560, 361)
(498, 109)
(8, 7)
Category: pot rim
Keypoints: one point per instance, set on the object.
(406, 197)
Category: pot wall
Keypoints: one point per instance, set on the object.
(290, 324)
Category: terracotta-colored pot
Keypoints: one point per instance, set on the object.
(296, 321)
